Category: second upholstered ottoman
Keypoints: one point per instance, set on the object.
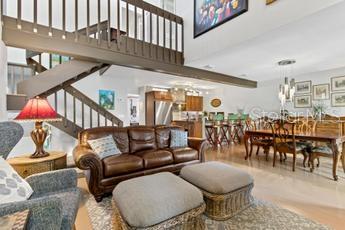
(226, 189)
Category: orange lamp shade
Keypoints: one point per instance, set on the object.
(37, 109)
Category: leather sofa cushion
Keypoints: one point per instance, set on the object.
(163, 137)
(142, 139)
(121, 138)
(184, 154)
(122, 164)
(163, 134)
(156, 158)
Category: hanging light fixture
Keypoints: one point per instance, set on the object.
(287, 90)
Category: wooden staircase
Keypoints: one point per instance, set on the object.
(76, 110)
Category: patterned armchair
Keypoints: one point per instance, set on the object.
(10, 135)
(54, 203)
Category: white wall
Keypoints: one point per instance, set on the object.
(3, 76)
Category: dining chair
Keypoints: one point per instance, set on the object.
(308, 125)
(261, 142)
(284, 141)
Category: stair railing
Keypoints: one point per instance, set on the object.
(130, 26)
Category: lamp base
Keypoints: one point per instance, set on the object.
(38, 136)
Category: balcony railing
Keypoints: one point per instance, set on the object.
(127, 26)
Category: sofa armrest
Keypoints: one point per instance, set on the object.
(199, 144)
(53, 181)
(45, 212)
(87, 159)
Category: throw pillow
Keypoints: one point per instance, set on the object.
(13, 188)
(179, 139)
(104, 146)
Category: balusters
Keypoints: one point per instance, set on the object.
(98, 119)
(170, 38)
(99, 21)
(64, 19)
(157, 50)
(50, 18)
(108, 25)
(164, 41)
(19, 14)
(150, 34)
(74, 111)
(76, 20)
(91, 121)
(135, 28)
(127, 25)
(82, 115)
(118, 24)
(176, 41)
(182, 38)
(56, 101)
(88, 20)
(105, 120)
(143, 41)
(65, 106)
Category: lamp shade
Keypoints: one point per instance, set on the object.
(38, 109)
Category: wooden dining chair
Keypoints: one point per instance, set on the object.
(284, 141)
(261, 142)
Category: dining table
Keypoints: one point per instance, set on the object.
(334, 141)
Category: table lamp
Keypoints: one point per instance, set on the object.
(38, 110)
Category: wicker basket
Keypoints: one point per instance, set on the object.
(223, 207)
(186, 221)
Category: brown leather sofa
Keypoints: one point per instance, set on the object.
(145, 150)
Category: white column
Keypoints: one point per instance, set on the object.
(3, 77)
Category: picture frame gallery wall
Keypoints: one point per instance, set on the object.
(334, 91)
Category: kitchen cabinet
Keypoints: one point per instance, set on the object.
(194, 103)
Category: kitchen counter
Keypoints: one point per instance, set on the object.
(194, 127)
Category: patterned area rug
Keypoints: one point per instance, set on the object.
(261, 215)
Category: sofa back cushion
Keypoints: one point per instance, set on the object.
(142, 138)
(163, 135)
(120, 136)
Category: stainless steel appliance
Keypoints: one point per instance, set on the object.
(163, 112)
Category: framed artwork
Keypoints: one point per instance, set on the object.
(107, 99)
(338, 83)
(321, 92)
(338, 99)
(209, 14)
(133, 106)
(303, 101)
(303, 87)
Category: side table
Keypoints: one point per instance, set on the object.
(26, 166)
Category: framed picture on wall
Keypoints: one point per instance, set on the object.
(209, 14)
(338, 83)
(321, 92)
(107, 99)
(303, 87)
(303, 101)
(338, 99)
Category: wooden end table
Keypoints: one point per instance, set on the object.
(26, 166)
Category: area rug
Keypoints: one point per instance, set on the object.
(261, 215)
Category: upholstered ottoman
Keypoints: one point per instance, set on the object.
(159, 201)
(226, 189)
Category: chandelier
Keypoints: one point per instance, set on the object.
(286, 90)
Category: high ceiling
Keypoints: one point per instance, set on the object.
(315, 40)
